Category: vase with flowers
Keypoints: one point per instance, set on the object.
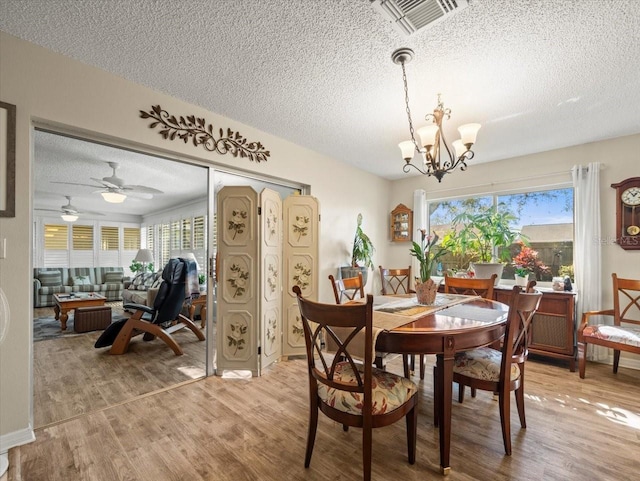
(427, 252)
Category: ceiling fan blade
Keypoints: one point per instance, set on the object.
(104, 183)
(141, 189)
(138, 195)
(74, 183)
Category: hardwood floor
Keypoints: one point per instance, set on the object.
(72, 378)
(255, 429)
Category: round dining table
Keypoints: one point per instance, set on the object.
(445, 335)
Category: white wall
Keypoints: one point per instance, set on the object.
(51, 89)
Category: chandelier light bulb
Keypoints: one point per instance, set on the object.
(408, 149)
(428, 135)
(468, 134)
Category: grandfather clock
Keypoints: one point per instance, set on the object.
(628, 213)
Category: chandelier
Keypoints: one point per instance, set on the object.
(435, 161)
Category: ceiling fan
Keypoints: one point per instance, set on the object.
(113, 188)
(70, 213)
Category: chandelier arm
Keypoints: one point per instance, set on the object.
(406, 100)
(406, 168)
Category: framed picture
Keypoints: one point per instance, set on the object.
(7, 160)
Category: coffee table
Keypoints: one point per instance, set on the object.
(68, 302)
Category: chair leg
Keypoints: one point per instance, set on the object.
(311, 434)
(504, 402)
(405, 366)
(616, 360)
(582, 358)
(519, 393)
(121, 344)
(367, 442)
(461, 392)
(412, 434)
(473, 392)
(422, 366)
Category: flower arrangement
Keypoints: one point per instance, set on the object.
(527, 261)
(427, 252)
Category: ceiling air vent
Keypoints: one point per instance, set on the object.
(409, 16)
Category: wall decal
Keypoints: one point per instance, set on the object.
(191, 127)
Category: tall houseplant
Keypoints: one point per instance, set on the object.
(483, 232)
(361, 254)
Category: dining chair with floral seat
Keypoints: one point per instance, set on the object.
(348, 391)
(623, 334)
(468, 287)
(502, 370)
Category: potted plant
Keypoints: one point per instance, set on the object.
(522, 275)
(139, 266)
(527, 261)
(482, 233)
(361, 254)
(427, 252)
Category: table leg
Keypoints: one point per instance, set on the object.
(63, 319)
(56, 310)
(444, 365)
(203, 316)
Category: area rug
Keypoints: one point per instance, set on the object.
(49, 328)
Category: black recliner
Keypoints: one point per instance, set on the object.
(160, 320)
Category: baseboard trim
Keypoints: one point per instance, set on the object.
(16, 438)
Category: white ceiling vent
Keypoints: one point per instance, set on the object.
(409, 16)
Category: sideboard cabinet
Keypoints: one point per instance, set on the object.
(553, 329)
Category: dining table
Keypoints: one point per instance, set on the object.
(453, 324)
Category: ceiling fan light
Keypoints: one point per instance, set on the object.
(113, 197)
(69, 217)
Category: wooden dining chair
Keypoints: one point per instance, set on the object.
(395, 281)
(468, 287)
(349, 392)
(624, 334)
(349, 288)
(502, 370)
(352, 288)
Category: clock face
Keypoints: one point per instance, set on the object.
(631, 196)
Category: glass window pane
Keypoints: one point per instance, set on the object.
(56, 237)
(82, 237)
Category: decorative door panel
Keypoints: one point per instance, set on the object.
(238, 327)
(301, 221)
(271, 277)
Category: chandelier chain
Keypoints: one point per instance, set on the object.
(406, 99)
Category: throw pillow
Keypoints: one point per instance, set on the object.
(112, 277)
(50, 278)
(80, 281)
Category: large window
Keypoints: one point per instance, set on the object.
(544, 218)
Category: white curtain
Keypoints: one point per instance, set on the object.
(420, 219)
(587, 260)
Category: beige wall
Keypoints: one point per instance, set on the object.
(50, 89)
(620, 160)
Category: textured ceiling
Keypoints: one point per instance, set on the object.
(537, 74)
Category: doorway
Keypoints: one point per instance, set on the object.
(71, 377)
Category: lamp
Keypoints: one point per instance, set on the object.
(144, 256)
(431, 136)
(69, 217)
(191, 256)
(113, 197)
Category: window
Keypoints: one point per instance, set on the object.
(82, 237)
(56, 237)
(199, 233)
(186, 234)
(175, 238)
(131, 238)
(544, 218)
(109, 239)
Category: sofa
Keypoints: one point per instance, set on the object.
(142, 289)
(47, 281)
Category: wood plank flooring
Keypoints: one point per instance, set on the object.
(255, 429)
(72, 378)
